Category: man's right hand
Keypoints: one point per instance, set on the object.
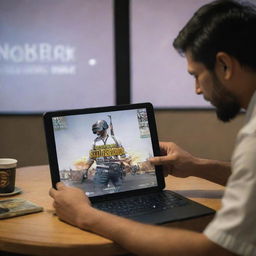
(180, 163)
(175, 160)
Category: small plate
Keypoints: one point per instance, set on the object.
(15, 192)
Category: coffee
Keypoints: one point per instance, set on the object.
(7, 174)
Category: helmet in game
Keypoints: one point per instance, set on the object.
(99, 126)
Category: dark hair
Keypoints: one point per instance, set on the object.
(222, 25)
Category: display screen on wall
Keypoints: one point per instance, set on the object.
(159, 73)
(56, 55)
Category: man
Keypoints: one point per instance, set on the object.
(219, 43)
(109, 167)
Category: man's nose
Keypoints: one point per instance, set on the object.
(198, 89)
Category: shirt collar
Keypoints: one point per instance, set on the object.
(251, 108)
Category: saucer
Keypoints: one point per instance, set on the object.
(15, 192)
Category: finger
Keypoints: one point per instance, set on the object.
(155, 160)
(162, 143)
(52, 192)
(60, 186)
(161, 160)
(166, 144)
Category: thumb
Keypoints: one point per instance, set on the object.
(60, 186)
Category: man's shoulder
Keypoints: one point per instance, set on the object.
(249, 127)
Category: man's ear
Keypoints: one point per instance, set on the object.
(224, 65)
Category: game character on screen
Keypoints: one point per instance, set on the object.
(109, 155)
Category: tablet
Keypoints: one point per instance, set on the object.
(105, 150)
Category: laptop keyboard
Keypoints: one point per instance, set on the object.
(139, 205)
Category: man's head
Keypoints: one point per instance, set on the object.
(100, 127)
(208, 83)
(221, 26)
(220, 30)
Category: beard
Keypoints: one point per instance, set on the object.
(227, 111)
(227, 104)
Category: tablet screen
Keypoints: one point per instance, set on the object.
(106, 152)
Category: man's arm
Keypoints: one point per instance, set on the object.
(180, 163)
(73, 206)
(89, 163)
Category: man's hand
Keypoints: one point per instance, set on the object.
(180, 163)
(71, 204)
(175, 160)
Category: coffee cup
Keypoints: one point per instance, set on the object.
(7, 174)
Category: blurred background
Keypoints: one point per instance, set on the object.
(67, 54)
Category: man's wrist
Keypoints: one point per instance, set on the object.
(196, 164)
(89, 217)
(213, 170)
(201, 164)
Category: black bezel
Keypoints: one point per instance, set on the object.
(51, 146)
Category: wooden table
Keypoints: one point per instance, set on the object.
(44, 234)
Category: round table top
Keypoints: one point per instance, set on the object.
(44, 234)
